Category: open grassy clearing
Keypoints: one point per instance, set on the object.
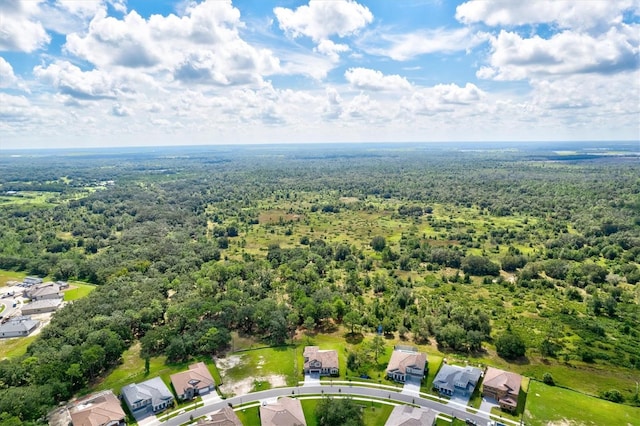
(78, 290)
(555, 405)
(6, 276)
(15, 347)
(131, 370)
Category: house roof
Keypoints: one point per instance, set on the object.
(153, 389)
(450, 376)
(405, 415)
(96, 410)
(401, 359)
(286, 412)
(505, 381)
(45, 303)
(328, 358)
(197, 376)
(19, 324)
(223, 417)
(41, 290)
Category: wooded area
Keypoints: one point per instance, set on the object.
(519, 253)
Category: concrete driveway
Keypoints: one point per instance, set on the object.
(487, 404)
(411, 386)
(312, 379)
(458, 399)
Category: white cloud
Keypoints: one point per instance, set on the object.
(564, 13)
(203, 46)
(331, 49)
(368, 79)
(19, 29)
(514, 58)
(321, 19)
(443, 98)
(402, 47)
(7, 77)
(70, 80)
(119, 110)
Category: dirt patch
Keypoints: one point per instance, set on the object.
(564, 422)
(349, 200)
(232, 387)
(271, 217)
(226, 364)
(244, 386)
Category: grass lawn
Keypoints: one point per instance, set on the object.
(280, 360)
(131, 370)
(10, 276)
(374, 413)
(547, 404)
(249, 416)
(15, 347)
(434, 362)
(81, 290)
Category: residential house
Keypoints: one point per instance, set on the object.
(41, 306)
(286, 412)
(452, 379)
(195, 381)
(405, 415)
(320, 362)
(101, 409)
(98, 409)
(152, 395)
(223, 417)
(503, 386)
(18, 327)
(42, 292)
(406, 363)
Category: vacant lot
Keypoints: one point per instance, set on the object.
(553, 405)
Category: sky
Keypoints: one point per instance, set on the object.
(102, 73)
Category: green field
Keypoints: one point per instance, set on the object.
(131, 370)
(554, 405)
(77, 291)
(264, 361)
(15, 347)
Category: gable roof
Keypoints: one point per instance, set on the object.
(405, 415)
(328, 358)
(503, 380)
(450, 376)
(197, 376)
(19, 325)
(286, 412)
(224, 417)
(41, 290)
(401, 359)
(44, 303)
(97, 410)
(153, 389)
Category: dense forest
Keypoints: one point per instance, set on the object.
(528, 252)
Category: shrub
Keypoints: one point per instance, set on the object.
(548, 379)
(613, 395)
(510, 346)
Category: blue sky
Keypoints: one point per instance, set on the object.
(85, 73)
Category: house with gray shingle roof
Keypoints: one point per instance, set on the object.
(152, 395)
(406, 415)
(452, 379)
(18, 327)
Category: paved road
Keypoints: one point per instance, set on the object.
(328, 390)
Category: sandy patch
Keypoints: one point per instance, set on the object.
(226, 364)
(564, 422)
(244, 386)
